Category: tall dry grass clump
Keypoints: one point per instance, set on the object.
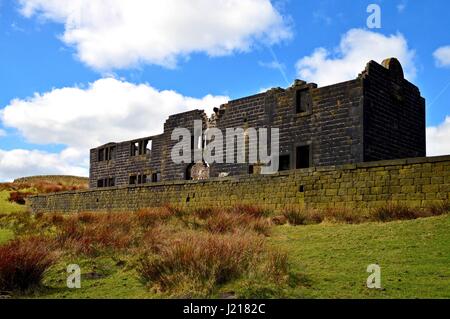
(200, 260)
(151, 216)
(251, 210)
(227, 222)
(304, 216)
(89, 233)
(386, 213)
(392, 212)
(439, 208)
(176, 251)
(23, 262)
(19, 197)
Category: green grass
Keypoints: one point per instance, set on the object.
(414, 257)
(5, 235)
(331, 260)
(7, 207)
(103, 277)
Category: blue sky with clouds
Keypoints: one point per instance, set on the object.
(79, 73)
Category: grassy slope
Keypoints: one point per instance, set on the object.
(5, 235)
(8, 207)
(116, 281)
(414, 257)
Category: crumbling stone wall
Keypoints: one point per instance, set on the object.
(123, 165)
(394, 114)
(377, 116)
(415, 182)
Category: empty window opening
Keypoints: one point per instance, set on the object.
(145, 147)
(134, 148)
(141, 147)
(188, 173)
(285, 163)
(303, 155)
(156, 177)
(138, 179)
(192, 142)
(301, 189)
(196, 144)
(301, 101)
(106, 182)
(251, 169)
(101, 155)
(106, 153)
(112, 153)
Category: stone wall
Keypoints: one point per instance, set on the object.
(331, 124)
(377, 116)
(394, 114)
(414, 182)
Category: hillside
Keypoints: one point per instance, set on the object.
(414, 256)
(53, 179)
(13, 195)
(326, 260)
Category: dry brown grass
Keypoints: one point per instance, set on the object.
(252, 210)
(88, 233)
(20, 189)
(19, 197)
(151, 216)
(400, 212)
(224, 221)
(177, 250)
(23, 262)
(386, 213)
(392, 212)
(200, 260)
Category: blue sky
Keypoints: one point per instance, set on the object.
(63, 75)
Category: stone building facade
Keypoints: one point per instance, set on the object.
(377, 116)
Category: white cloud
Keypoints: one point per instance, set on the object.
(438, 139)
(19, 163)
(402, 6)
(272, 65)
(108, 110)
(357, 47)
(104, 111)
(442, 56)
(117, 34)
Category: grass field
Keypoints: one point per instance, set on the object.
(5, 235)
(325, 260)
(414, 257)
(329, 259)
(7, 206)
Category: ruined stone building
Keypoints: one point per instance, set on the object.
(377, 116)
